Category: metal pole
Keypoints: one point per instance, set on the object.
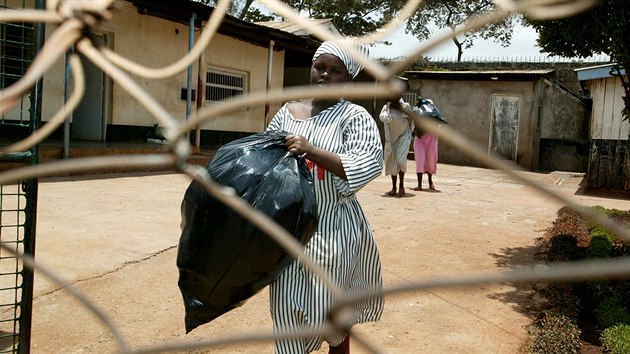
(269, 76)
(191, 40)
(30, 188)
(66, 123)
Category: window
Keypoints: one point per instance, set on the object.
(16, 52)
(221, 85)
(410, 97)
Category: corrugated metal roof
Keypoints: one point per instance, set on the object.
(297, 29)
(596, 72)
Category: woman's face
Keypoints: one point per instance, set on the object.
(328, 69)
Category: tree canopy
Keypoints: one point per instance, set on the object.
(601, 29)
(351, 17)
(454, 13)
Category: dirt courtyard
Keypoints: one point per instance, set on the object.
(114, 238)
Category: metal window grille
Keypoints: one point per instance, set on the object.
(221, 85)
(410, 97)
(16, 53)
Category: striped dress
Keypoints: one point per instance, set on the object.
(343, 244)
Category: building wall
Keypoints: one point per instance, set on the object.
(467, 106)
(563, 126)
(609, 163)
(606, 120)
(155, 43)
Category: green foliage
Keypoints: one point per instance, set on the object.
(601, 246)
(612, 312)
(453, 13)
(605, 302)
(255, 15)
(601, 29)
(351, 17)
(616, 340)
(558, 334)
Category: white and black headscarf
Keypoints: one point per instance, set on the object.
(352, 65)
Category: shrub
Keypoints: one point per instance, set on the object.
(562, 299)
(616, 340)
(611, 312)
(557, 334)
(601, 246)
(562, 248)
(570, 222)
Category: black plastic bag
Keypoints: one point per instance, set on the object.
(427, 108)
(222, 258)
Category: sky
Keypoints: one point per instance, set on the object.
(522, 48)
(523, 45)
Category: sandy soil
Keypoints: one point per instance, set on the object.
(114, 238)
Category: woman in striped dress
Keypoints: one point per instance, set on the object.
(342, 143)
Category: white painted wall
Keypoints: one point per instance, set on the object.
(155, 43)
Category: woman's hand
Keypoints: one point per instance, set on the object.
(298, 144)
(325, 159)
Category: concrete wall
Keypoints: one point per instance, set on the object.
(563, 126)
(467, 105)
(155, 43)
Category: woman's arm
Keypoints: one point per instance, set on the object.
(328, 160)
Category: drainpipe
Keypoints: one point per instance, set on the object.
(191, 40)
(269, 72)
(201, 94)
(66, 123)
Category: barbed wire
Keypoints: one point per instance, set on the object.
(520, 59)
(73, 16)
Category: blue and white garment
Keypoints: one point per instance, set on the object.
(343, 244)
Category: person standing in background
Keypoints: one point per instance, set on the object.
(398, 134)
(425, 144)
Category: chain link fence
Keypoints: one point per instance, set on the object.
(71, 17)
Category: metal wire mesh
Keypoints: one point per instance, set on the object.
(72, 16)
(12, 232)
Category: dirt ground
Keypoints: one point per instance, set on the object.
(114, 238)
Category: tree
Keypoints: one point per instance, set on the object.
(351, 17)
(454, 13)
(238, 8)
(601, 29)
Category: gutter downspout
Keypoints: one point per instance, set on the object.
(269, 72)
(201, 95)
(191, 40)
(67, 88)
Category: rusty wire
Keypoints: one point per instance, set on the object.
(72, 16)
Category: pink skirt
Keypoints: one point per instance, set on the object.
(425, 152)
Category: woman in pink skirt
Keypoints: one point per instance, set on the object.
(425, 144)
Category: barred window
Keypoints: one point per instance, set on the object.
(221, 85)
(410, 97)
(16, 51)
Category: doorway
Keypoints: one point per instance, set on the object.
(504, 130)
(88, 119)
